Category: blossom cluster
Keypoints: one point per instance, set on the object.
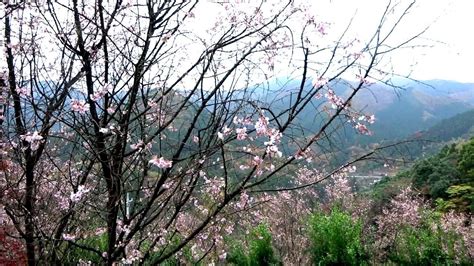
(34, 139)
(100, 93)
(161, 162)
(79, 106)
(79, 194)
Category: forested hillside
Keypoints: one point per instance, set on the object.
(458, 126)
(446, 178)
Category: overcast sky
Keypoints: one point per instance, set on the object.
(452, 56)
(451, 52)
(450, 42)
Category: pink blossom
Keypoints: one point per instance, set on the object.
(261, 126)
(225, 131)
(335, 100)
(463, 225)
(34, 139)
(318, 83)
(223, 256)
(229, 229)
(161, 162)
(404, 209)
(270, 168)
(152, 104)
(243, 201)
(69, 237)
(274, 136)
(321, 27)
(364, 80)
(243, 167)
(257, 161)
(371, 119)
(101, 93)
(132, 256)
(194, 251)
(110, 110)
(241, 133)
(247, 121)
(273, 150)
(140, 144)
(242, 121)
(23, 91)
(363, 129)
(79, 106)
(99, 231)
(340, 190)
(220, 135)
(77, 196)
(303, 154)
(62, 201)
(236, 120)
(214, 185)
(96, 96)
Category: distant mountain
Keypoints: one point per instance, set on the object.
(458, 126)
(401, 110)
(463, 92)
(415, 106)
(445, 132)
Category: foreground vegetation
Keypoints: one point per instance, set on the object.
(421, 216)
(131, 133)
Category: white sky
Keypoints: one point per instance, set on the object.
(453, 57)
(450, 54)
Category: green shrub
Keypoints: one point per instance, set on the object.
(336, 239)
(428, 245)
(184, 256)
(260, 250)
(236, 255)
(73, 254)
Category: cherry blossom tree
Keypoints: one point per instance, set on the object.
(132, 122)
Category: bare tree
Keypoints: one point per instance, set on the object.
(128, 123)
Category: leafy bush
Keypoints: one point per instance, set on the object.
(260, 250)
(336, 239)
(75, 254)
(185, 256)
(434, 175)
(466, 160)
(428, 245)
(461, 198)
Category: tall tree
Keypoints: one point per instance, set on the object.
(138, 122)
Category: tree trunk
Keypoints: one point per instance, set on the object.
(29, 217)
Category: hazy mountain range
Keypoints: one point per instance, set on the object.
(400, 111)
(415, 107)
